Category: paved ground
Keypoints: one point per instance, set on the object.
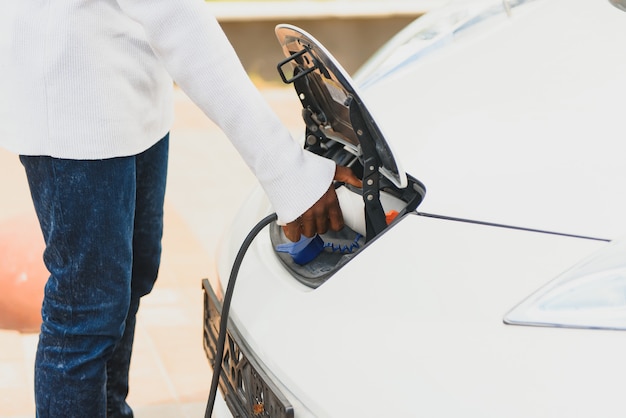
(170, 376)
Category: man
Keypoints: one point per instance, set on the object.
(85, 89)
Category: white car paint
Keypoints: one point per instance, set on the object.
(519, 123)
(419, 327)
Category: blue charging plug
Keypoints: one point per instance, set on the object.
(303, 251)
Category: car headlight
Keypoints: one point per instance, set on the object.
(590, 295)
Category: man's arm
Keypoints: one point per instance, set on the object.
(197, 54)
(325, 214)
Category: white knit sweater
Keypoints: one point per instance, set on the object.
(92, 79)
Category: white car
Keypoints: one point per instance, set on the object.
(482, 272)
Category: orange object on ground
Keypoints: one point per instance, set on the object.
(22, 274)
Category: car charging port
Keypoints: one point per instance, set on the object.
(339, 247)
(339, 127)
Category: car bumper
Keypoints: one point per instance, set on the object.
(247, 389)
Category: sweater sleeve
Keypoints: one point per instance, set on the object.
(199, 57)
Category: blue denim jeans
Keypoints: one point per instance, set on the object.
(102, 223)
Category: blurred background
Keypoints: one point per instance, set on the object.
(351, 30)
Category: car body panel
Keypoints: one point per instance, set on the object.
(515, 129)
(520, 125)
(418, 340)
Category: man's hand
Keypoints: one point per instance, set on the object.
(325, 213)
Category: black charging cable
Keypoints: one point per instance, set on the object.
(228, 296)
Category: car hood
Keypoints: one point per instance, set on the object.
(522, 127)
(430, 338)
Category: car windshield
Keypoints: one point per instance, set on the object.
(429, 33)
